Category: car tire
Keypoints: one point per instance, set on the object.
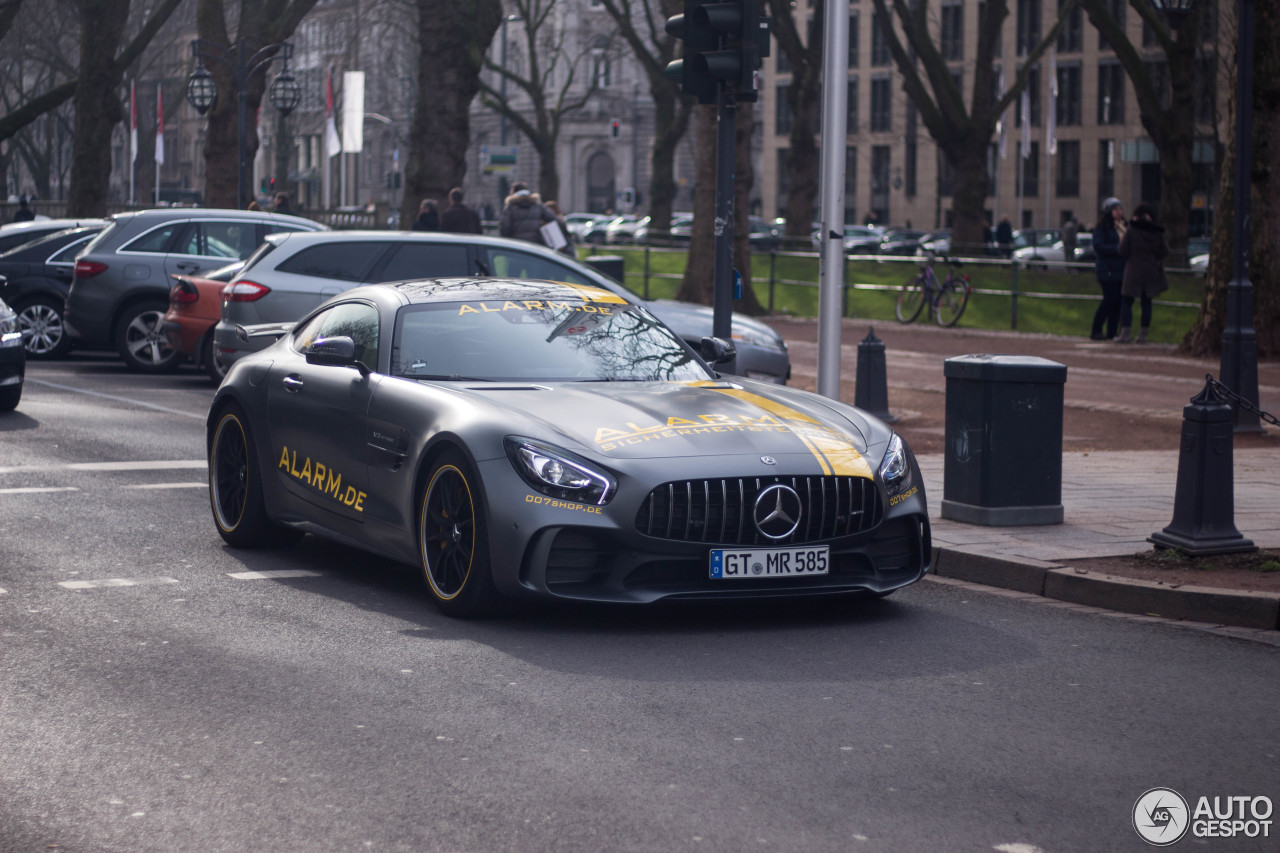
(140, 341)
(213, 365)
(9, 398)
(453, 540)
(42, 316)
(235, 487)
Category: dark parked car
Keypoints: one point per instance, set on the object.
(13, 359)
(14, 234)
(120, 286)
(901, 241)
(37, 277)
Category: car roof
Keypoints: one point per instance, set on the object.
(49, 224)
(427, 291)
(161, 214)
(299, 239)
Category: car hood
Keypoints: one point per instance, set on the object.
(655, 420)
(694, 322)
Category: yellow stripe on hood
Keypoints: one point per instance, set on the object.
(594, 294)
(835, 453)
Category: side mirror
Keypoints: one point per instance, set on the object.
(717, 351)
(339, 351)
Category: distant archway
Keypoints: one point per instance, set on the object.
(601, 189)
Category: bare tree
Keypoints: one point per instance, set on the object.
(1167, 109)
(1205, 335)
(452, 38)
(962, 132)
(258, 23)
(641, 24)
(804, 100)
(551, 64)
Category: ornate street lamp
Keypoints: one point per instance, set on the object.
(202, 93)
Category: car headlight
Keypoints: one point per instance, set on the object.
(10, 334)
(895, 467)
(559, 473)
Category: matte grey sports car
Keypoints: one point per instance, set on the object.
(517, 437)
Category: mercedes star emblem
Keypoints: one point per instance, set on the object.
(777, 512)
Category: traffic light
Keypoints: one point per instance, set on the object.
(723, 45)
(615, 129)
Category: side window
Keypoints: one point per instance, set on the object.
(505, 263)
(154, 240)
(343, 261)
(354, 320)
(233, 240)
(425, 260)
(67, 254)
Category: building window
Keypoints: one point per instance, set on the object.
(1033, 100)
(853, 39)
(601, 68)
(1028, 184)
(880, 183)
(952, 31)
(879, 42)
(1116, 10)
(1111, 79)
(880, 104)
(851, 183)
(1071, 36)
(911, 152)
(1067, 108)
(781, 110)
(1106, 168)
(1068, 159)
(1206, 88)
(784, 179)
(1028, 25)
(851, 106)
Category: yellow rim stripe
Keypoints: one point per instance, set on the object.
(594, 294)
(835, 453)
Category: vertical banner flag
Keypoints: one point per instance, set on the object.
(1051, 133)
(1002, 125)
(1025, 103)
(353, 111)
(133, 121)
(331, 142)
(159, 126)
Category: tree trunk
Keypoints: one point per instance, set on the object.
(97, 108)
(968, 156)
(452, 37)
(671, 120)
(743, 179)
(699, 278)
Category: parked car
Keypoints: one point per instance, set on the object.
(622, 229)
(762, 235)
(577, 223)
(14, 234)
(526, 438)
(120, 285)
(901, 241)
(1053, 255)
(858, 239)
(292, 273)
(37, 277)
(13, 359)
(935, 243)
(195, 306)
(596, 232)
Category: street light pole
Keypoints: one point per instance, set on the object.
(285, 93)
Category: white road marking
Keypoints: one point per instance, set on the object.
(36, 490)
(114, 582)
(165, 465)
(274, 573)
(130, 401)
(1017, 848)
(169, 486)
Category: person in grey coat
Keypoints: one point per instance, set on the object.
(524, 215)
(1144, 248)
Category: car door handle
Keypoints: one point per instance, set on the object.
(188, 266)
(292, 383)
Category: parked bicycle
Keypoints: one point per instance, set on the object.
(946, 299)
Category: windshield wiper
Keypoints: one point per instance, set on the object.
(446, 377)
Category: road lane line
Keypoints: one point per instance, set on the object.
(99, 584)
(36, 490)
(144, 465)
(128, 400)
(169, 486)
(271, 574)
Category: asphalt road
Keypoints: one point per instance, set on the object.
(155, 697)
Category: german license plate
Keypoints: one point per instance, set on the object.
(744, 564)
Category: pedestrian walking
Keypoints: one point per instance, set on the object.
(1109, 268)
(1004, 237)
(1144, 249)
(567, 248)
(1070, 230)
(24, 212)
(459, 218)
(428, 216)
(524, 215)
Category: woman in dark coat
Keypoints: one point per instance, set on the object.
(1109, 267)
(1144, 249)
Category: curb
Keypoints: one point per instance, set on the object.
(1127, 595)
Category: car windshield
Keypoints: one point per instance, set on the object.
(538, 339)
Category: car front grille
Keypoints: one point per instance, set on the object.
(719, 511)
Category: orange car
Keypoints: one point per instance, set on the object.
(195, 306)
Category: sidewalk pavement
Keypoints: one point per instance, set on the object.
(1112, 501)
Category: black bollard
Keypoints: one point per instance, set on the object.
(871, 390)
(1204, 505)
